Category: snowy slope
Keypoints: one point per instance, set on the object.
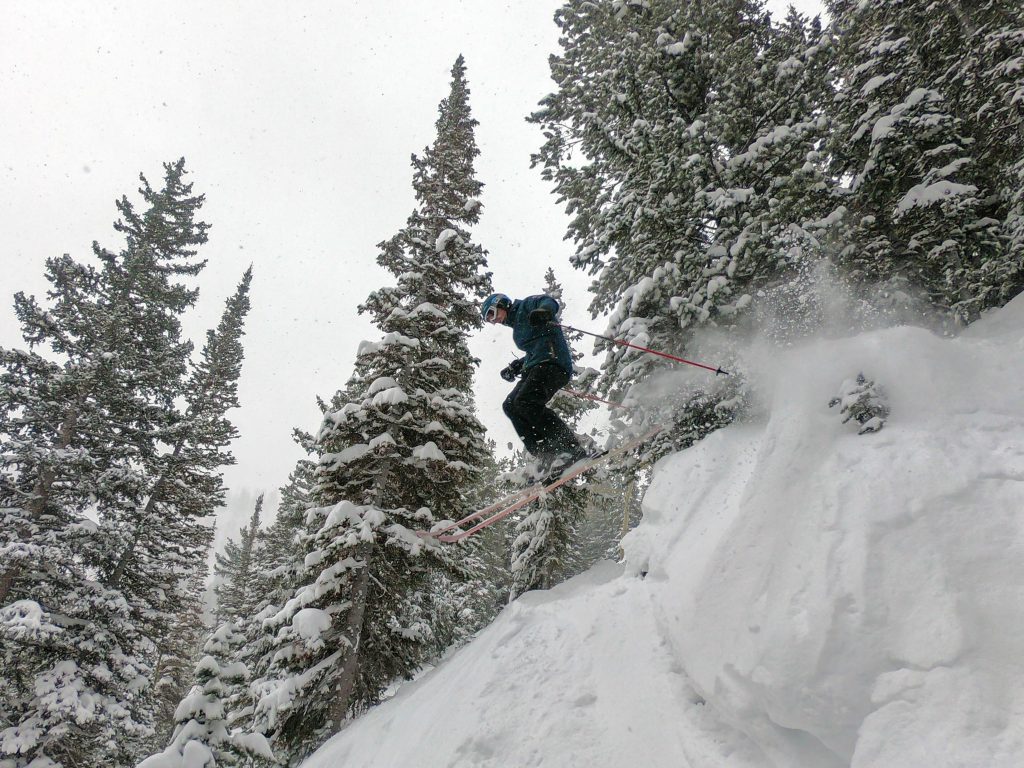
(797, 595)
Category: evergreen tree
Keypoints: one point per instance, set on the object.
(277, 550)
(396, 448)
(683, 140)
(488, 583)
(162, 566)
(81, 428)
(76, 672)
(920, 205)
(278, 567)
(237, 591)
(203, 736)
(174, 672)
(171, 529)
(981, 76)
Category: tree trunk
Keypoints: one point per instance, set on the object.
(41, 493)
(351, 632)
(963, 17)
(122, 562)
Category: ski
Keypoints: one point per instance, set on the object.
(504, 507)
(501, 503)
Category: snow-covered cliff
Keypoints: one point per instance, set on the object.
(797, 596)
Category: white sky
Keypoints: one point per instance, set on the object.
(297, 121)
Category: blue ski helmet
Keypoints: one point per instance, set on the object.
(494, 301)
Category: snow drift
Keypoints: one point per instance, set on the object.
(797, 595)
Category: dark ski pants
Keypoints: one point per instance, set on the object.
(526, 407)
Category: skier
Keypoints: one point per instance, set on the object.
(545, 369)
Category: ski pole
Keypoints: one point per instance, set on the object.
(622, 343)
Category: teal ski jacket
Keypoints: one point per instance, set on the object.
(542, 343)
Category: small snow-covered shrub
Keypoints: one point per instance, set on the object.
(863, 401)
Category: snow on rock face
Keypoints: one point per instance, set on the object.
(856, 601)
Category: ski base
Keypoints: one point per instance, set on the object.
(518, 499)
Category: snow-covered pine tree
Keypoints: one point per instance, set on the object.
(174, 672)
(278, 567)
(441, 278)
(83, 426)
(918, 206)
(982, 75)
(488, 582)
(237, 589)
(162, 562)
(277, 552)
(202, 737)
(76, 672)
(116, 333)
(682, 138)
(397, 448)
(171, 528)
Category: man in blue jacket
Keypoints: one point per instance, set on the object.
(545, 369)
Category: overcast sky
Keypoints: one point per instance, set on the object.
(297, 121)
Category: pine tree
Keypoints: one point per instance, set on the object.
(237, 591)
(161, 568)
(82, 426)
(101, 431)
(174, 672)
(919, 216)
(185, 484)
(277, 551)
(396, 448)
(203, 736)
(683, 140)
(488, 584)
(76, 673)
(424, 382)
(982, 77)
(278, 567)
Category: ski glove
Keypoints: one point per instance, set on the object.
(539, 317)
(511, 371)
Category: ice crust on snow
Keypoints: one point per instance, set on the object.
(796, 596)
